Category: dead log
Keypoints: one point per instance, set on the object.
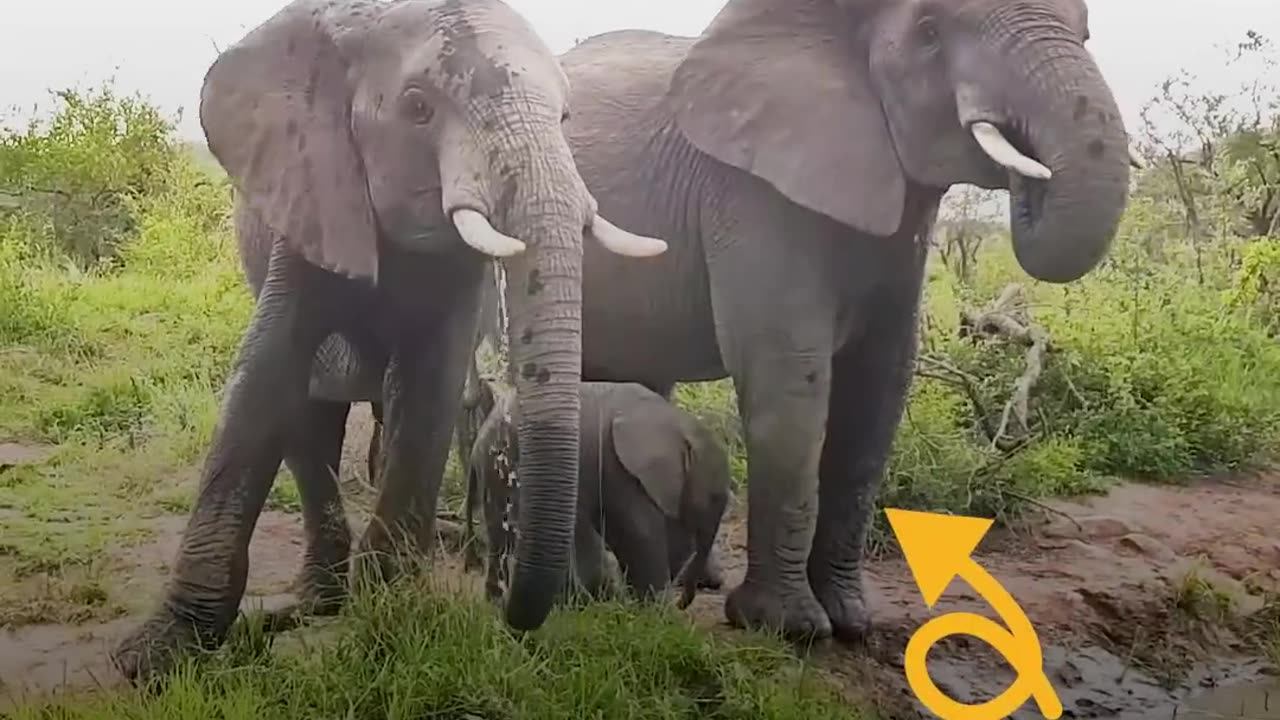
(1006, 320)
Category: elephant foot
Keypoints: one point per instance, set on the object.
(321, 588)
(846, 608)
(157, 646)
(713, 575)
(789, 608)
(373, 568)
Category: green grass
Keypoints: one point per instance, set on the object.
(412, 652)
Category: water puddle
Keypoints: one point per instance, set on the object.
(1252, 701)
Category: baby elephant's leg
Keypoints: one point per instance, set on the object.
(589, 560)
(638, 540)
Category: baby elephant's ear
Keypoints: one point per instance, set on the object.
(651, 446)
(276, 113)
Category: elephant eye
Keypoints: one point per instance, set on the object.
(564, 116)
(415, 107)
(927, 30)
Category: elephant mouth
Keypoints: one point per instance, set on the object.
(1026, 201)
(1007, 145)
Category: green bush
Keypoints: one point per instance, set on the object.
(77, 174)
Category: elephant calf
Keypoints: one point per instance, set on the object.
(653, 486)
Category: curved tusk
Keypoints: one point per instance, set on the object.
(998, 148)
(482, 237)
(1136, 159)
(619, 241)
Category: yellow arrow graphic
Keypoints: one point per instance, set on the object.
(939, 548)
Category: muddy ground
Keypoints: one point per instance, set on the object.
(1152, 601)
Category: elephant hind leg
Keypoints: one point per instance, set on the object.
(314, 454)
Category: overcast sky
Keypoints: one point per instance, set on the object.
(163, 47)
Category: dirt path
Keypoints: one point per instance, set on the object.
(1139, 597)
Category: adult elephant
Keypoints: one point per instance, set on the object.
(794, 156)
(383, 150)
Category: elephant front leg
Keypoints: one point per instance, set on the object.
(314, 454)
(783, 401)
(266, 387)
(422, 396)
(869, 389)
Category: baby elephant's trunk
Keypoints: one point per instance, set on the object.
(707, 524)
(703, 502)
(694, 568)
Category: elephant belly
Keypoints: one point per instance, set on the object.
(343, 372)
(649, 321)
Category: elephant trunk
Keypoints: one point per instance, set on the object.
(544, 295)
(1063, 225)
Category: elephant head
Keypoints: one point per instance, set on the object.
(845, 105)
(683, 469)
(348, 125)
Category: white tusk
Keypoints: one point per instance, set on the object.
(619, 241)
(1136, 159)
(481, 236)
(995, 145)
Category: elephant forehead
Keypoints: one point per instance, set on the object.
(473, 50)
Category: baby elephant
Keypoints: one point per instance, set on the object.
(653, 486)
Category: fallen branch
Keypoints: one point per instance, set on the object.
(1043, 506)
(1023, 386)
(1007, 319)
(948, 373)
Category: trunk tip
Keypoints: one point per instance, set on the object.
(525, 612)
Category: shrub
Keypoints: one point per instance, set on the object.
(77, 175)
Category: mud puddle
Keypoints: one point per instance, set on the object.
(1254, 701)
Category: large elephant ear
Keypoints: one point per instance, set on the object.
(275, 109)
(780, 89)
(653, 448)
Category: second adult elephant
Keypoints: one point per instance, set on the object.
(794, 156)
(380, 152)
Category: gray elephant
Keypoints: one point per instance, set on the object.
(653, 486)
(381, 153)
(794, 156)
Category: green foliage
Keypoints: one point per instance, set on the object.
(414, 653)
(1257, 286)
(119, 362)
(76, 176)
